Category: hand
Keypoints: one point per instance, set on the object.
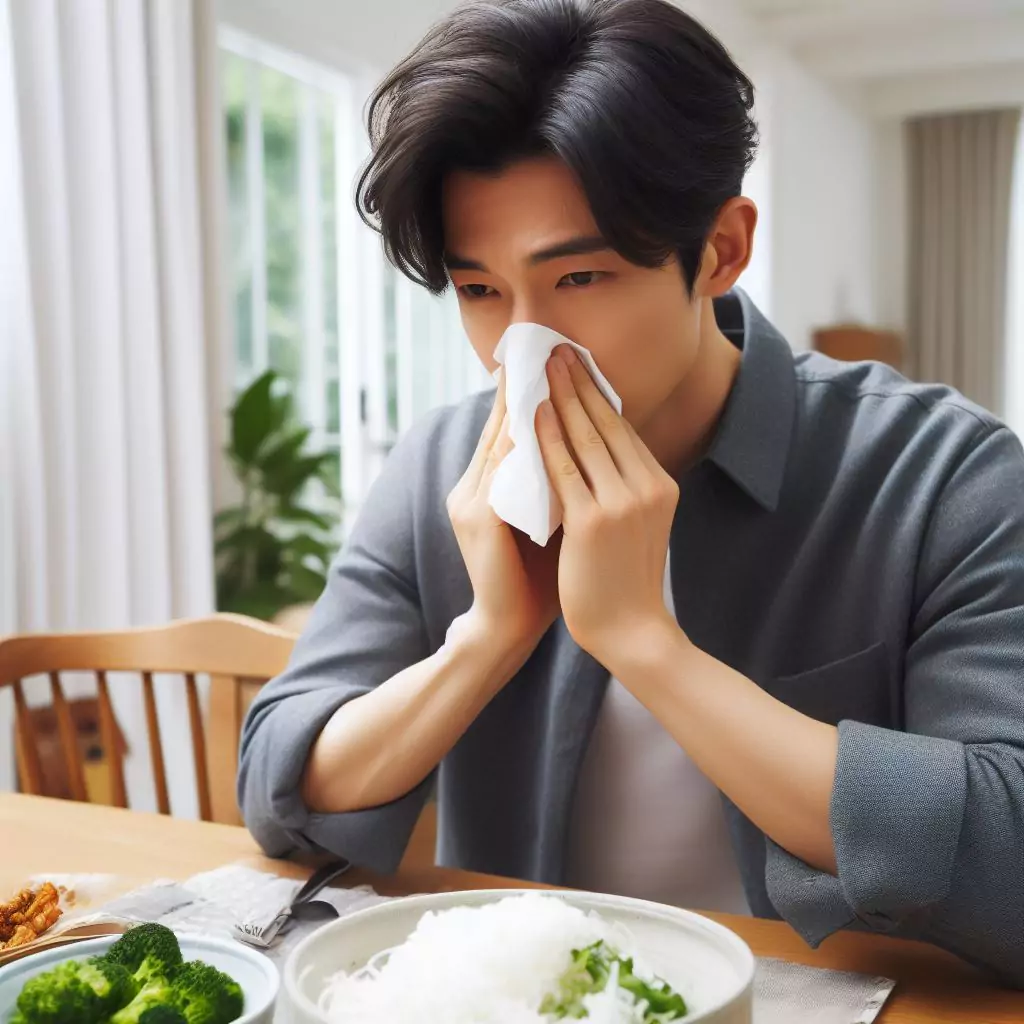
(618, 505)
(515, 585)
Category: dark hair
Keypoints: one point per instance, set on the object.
(642, 103)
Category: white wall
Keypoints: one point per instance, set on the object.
(349, 34)
(824, 153)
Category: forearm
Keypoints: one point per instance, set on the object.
(777, 765)
(378, 747)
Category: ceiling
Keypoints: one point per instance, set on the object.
(867, 40)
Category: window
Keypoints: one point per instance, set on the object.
(366, 351)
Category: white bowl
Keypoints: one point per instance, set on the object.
(257, 976)
(714, 966)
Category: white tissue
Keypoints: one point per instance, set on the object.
(520, 492)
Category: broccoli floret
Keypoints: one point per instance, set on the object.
(156, 994)
(148, 951)
(76, 992)
(205, 995)
(162, 1015)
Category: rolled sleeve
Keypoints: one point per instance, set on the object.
(897, 810)
(928, 823)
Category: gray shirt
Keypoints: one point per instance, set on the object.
(852, 542)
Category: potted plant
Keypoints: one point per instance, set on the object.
(274, 548)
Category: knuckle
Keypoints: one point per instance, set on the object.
(566, 467)
(670, 492)
(623, 509)
(607, 419)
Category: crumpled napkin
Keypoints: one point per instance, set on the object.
(520, 492)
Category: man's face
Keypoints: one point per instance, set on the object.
(513, 242)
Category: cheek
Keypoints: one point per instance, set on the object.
(645, 358)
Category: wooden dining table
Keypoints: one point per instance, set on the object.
(40, 836)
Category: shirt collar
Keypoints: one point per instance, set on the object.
(751, 445)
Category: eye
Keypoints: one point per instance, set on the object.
(477, 291)
(580, 279)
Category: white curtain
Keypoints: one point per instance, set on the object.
(113, 302)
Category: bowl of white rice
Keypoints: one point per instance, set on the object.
(519, 957)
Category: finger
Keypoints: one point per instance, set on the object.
(607, 421)
(564, 474)
(592, 456)
(642, 451)
(488, 437)
(501, 447)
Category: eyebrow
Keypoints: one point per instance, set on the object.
(579, 246)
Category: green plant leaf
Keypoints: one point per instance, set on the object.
(296, 514)
(330, 474)
(229, 517)
(251, 421)
(282, 449)
(261, 601)
(249, 538)
(303, 546)
(305, 583)
(287, 480)
(280, 406)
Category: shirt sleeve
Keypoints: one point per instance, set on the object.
(928, 824)
(366, 627)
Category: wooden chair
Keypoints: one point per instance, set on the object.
(238, 655)
(853, 343)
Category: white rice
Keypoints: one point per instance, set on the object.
(482, 965)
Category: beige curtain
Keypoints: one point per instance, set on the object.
(960, 184)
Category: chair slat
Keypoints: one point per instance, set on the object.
(111, 744)
(156, 749)
(223, 730)
(29, 768)
(195, 717)
(68, 739)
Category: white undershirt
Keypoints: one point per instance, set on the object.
(647, 822)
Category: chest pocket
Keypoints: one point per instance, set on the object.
(856, 687)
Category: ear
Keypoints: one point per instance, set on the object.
(728, 248)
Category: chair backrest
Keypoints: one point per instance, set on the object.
(853, 344)
(238, 654)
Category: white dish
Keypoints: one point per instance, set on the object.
(714, 967)
(252, 970)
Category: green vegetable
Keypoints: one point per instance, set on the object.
(205, 995)
(141, 980)
(156, 993)
(147, 951)
(76, 992)
(589, 974)
(162, 1015)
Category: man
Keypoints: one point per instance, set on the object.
(820, 715)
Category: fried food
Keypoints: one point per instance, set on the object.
(26, 917)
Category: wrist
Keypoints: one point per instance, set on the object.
(494, 646)
(644, 649)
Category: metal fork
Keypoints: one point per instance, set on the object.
(302, 908)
